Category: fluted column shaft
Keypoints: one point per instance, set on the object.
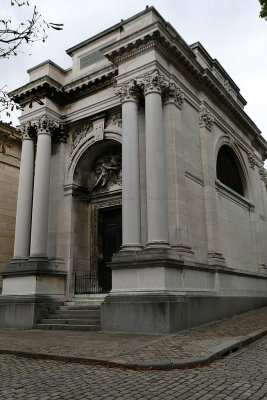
(157, 218)
(39, 231)
(131, 207)
(24, 202)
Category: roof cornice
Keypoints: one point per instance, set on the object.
(79, 88)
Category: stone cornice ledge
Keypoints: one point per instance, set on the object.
(174, 47)
(32, 267)
(178, 264)
(63, 94)
(36, 85)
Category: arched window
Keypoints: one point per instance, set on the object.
(228, 171)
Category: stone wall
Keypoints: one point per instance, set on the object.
(10, 148)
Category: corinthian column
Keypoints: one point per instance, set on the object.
(155, 162)
(131, 211)
(24, 202)
(39, 229)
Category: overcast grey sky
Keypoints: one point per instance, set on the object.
(230, 30)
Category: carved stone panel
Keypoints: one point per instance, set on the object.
(107, 172)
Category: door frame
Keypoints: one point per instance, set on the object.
(97, 205)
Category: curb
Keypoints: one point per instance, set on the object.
(214, 353)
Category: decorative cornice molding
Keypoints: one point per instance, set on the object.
(206, 119)
(50, 88)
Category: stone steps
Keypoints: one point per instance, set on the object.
(69, 321)
(68, 327)
(75, 315)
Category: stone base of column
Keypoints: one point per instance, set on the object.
(30, 290)
(153, 254)
(158, 245)
(154, 291)
(131, 247)
(24, 312)
(167, 313)
(215, 258)
(185, 252)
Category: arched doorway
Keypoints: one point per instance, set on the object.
(97, 216)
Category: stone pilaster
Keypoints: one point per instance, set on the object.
(179, 233)
(206, 122)
(131, 207)
(24, 203)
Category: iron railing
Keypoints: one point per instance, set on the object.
(91, 283)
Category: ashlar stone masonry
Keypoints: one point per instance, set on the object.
(142, 178)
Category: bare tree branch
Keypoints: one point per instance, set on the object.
(13, 36)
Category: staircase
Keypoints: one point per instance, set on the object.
(83, 314)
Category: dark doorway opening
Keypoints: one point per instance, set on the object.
(109, 242)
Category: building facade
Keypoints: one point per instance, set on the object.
(10, 149)
(148, 184)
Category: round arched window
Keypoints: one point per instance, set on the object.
(228, 171)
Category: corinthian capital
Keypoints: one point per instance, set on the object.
(45, 125)
(174, 94)
(206, 119)
(154, 82)
(128, 91)
(27, 131)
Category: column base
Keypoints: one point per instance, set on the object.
(131, 247)
(30, 288)
(166, 313)
(24, 312)
(158, 245)
(185, 252)
(215, 258)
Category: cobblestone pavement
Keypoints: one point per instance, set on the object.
(240, 376)
(122, 347)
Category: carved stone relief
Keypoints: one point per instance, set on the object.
(114, 120)
(79, 134)
(107, 172)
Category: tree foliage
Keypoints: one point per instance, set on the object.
(13, 35)
(263, 12)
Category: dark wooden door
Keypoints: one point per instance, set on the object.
(109, 242)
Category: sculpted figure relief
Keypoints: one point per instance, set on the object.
(107, 171)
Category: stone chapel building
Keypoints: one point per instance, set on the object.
(10, 149)
(141, 179)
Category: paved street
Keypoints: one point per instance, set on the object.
(242, 375)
